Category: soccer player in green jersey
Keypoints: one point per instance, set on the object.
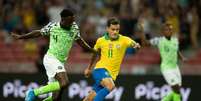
(62, 35)
(168, 46)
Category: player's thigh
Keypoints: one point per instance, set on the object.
(52, 66)
(108, 83)
(172, 77)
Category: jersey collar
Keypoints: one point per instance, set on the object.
(168, 39)
(106, 35)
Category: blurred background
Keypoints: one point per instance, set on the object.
(22, 59)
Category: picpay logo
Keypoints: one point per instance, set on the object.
(17, 89)
(82, 89)
(149, 91)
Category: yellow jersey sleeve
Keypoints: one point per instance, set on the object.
(129, 42)
(97, 45)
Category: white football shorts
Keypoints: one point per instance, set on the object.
(172, 76)
(52, 66)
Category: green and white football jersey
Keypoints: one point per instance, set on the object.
(61, 40)
(168, 51)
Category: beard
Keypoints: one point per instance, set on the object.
(114, 37)
(65, 27)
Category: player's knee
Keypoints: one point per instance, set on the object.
(63, 80)
(91, 96)
(89, 99)
(108, 83)
(110, 87)
(176, 88)
(64, 83)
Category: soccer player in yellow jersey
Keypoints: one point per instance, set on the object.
(111, 47)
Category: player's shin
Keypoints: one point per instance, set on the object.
(51, 87)
(168, 97)
(176, 97)
(100, 96)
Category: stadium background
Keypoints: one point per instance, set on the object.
(140, 80)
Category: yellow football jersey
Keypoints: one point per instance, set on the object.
(112, 53)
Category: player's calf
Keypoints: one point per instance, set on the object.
(63, 82)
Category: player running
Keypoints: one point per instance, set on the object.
(62, 35)
(112, 47)
(168, 46)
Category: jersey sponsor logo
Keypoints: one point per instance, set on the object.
(106, 73)
(110, 45)
(118, 46)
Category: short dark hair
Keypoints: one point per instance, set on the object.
(66, 12)
(112, 21)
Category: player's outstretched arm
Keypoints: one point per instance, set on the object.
(181, 56)
(84, 45)
(89, 69)
(33, 34)
(143, 39)
(136, 46)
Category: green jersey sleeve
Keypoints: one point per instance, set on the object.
(155, 41)
(76, 31)
(46, 29)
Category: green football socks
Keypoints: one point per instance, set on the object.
(51, 87)
(169, 97)
(172, 97)
(176, 97)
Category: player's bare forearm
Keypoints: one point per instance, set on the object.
(33, 34)
(84, 45)
(88, 70)
(181, 57)
(143, 39)
(136, 45)
(93, 60)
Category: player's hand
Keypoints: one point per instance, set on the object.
(140, 27)
(15, 36)
(184, 59)
(87, 72)
(137, 46)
